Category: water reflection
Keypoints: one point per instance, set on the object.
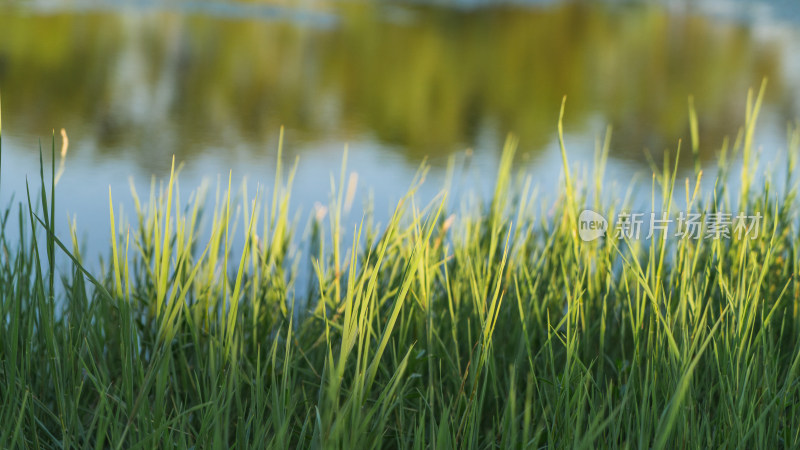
(420, 80)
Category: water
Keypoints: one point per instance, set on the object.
(212, 83)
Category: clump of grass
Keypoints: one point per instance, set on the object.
(485, 326)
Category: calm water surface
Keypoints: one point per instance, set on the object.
(212, 83)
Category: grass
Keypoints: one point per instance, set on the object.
(487, 325)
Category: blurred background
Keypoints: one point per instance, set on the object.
(212, 82)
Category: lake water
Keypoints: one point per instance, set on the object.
(213, 82)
